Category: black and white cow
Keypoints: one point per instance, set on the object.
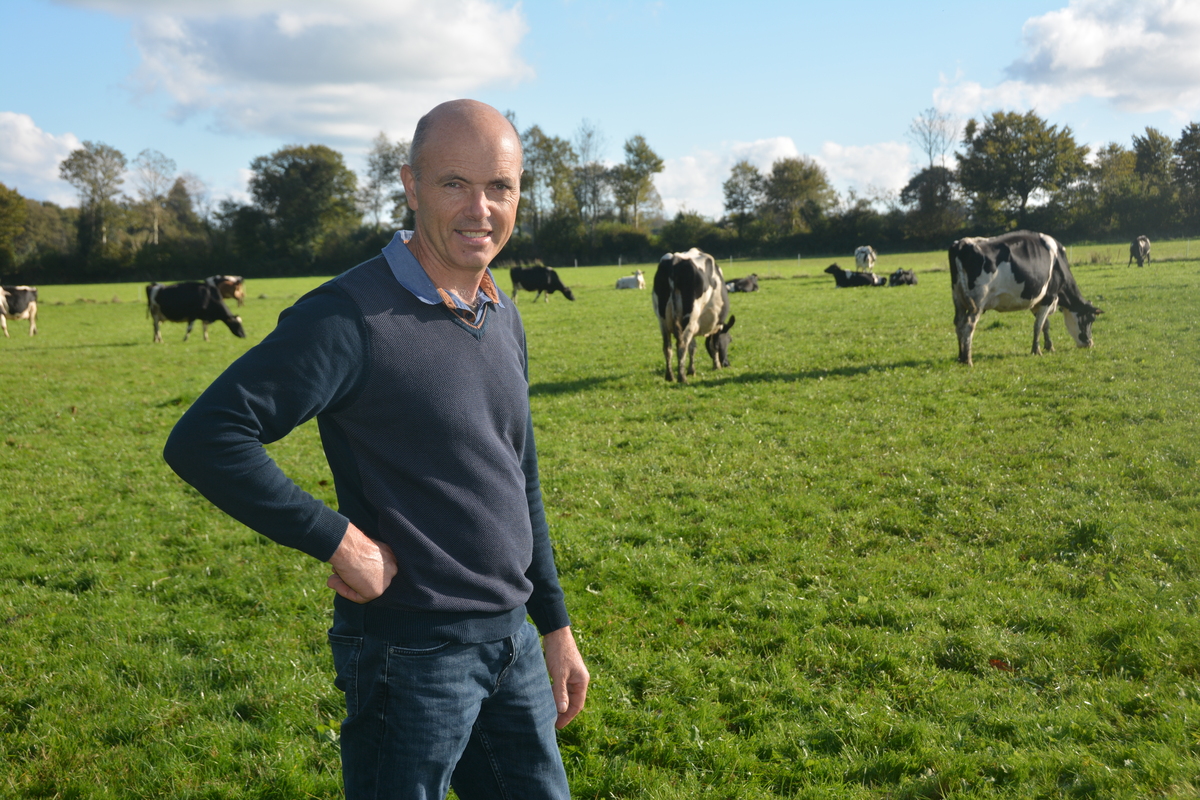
(846, 279)
(746, 284)
(690, 300)
(18, 302)
(188, 302)
(231, 287)
(864, 258)
(1018, 271)
(538, 279)
(902, 277)
(1139, 248)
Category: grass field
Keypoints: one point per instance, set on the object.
(846, 567)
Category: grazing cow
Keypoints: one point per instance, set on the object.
(538, 279)
(188, 302)
(846, 279)
(635, 281)
(864, 258)
(18, 302)
(746, 284)
(1016, 271)
(1139, 248)
(231, 287)
(902, 277)
(690, 300)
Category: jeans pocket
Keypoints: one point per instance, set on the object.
(418, 649)
(346, 652)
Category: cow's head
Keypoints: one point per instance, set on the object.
(717, 344)
(567, 293)
(235, 325)
(1079, 323)
(833, 269)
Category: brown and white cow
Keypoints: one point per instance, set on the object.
(690, 300)
(18, 302)
(231, 287)
(1018, 271)
(188, 302)
(1139, 248)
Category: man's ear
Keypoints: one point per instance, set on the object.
(409, 179)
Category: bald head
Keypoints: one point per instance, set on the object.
(458, 116)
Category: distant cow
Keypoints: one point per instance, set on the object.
(846, 279)
(231, 287)
(690, 300)
(18, 302)
(635, 281)
(1139, 248)
(864, 258)
(538, 279)
(902, 277)
(746, 284)
(188, 302)
(1016, 271)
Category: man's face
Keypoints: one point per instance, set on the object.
(465, 200)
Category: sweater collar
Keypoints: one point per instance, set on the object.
(409, 273)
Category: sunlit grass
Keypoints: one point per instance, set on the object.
(847, 566)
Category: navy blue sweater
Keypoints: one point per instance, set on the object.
(425, 423)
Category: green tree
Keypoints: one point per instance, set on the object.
(690, 229)
(383, 185)
(153, 174)
(936, 212)
(546, 190)
(1187, 173)
(307, 194)
(745, 192)
(12, 221)
(95, 170)
(798, 194)
(1015, 157)
(591, 177)
(633, 181)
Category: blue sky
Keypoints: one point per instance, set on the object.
(214, 83)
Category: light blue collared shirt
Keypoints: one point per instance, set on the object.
(412, 276)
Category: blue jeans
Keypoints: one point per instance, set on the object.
(424, 716)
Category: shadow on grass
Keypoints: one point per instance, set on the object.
(571, 387)
(814, 374)
(78, 346)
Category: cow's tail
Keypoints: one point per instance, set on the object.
(151, 296)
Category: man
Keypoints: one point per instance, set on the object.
(414, 365)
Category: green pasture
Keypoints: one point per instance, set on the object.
(845, 567)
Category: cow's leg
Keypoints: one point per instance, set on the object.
(964, 325)
(667, 352)
(539, 294)
(1041, 326)
(157, 331)
(33, 319)
(691, 354)
(204, 329)
(188, 332)
(4, 325)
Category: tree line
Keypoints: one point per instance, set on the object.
(309, 213)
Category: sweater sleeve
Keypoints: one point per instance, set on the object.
(313, 360)
(546, 605)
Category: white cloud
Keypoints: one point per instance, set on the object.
(1141, 55)
(296, 68)
(694, 182)
(867, 169)
(29, 158)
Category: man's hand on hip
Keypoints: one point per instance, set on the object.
(362, 567)
(568, 674)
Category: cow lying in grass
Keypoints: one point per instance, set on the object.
(846, 279)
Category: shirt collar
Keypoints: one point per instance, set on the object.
(412, 276)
